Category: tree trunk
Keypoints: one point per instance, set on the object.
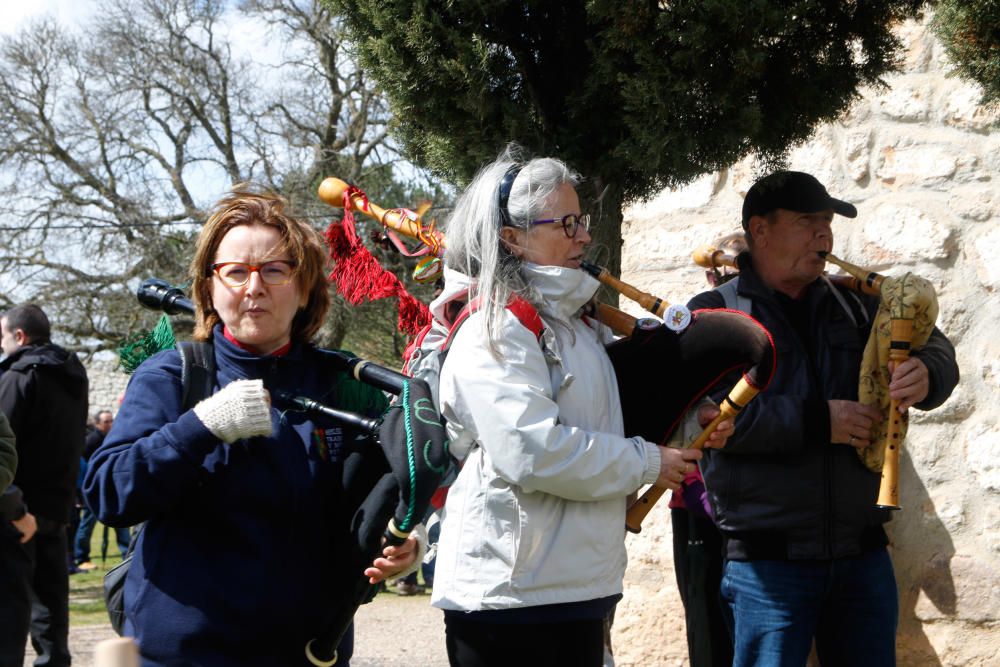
(603, 200)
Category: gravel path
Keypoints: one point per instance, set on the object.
(382, 628)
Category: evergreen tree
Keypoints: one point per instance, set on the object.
(970, 32)
(635, 95)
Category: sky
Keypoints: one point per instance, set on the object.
(14, 12)
(253, 43)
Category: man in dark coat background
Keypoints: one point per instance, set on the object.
(43, 393)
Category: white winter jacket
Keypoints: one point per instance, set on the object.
(537, 513)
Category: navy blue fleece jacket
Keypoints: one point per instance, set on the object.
(236, 562)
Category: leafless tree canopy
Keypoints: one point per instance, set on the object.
(116, 136)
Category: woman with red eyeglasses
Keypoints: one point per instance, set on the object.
(245, 511)
(531, 554)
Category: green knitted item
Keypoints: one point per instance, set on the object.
(141, 346)
(356, 396)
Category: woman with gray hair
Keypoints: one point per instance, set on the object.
(531, 555)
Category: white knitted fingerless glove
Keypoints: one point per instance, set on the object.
(238, 410)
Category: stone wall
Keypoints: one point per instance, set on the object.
(922, 164)
(107, 384)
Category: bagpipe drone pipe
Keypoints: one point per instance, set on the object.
(663, 367)
(387, 484)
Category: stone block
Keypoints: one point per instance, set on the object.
(982, 447)
(899, 232)
(974, 203)
(693, 195)
(989, 152)
(909, 101)
(991, 373)
(954, 321)
(857, 153)
(662, 247)
(917, 46)
(968, 580)
(951, 512)
(742, 175)
(819, 158)
(961, 106)
(922, 165)
(860, 110)
(987, 250)
(958, 407)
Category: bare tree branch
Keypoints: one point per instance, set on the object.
(114, 141)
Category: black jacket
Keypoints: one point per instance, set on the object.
(43, 392)
(92, 440)
(780, 488)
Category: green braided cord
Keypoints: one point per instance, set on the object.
(138, 347)
(410, 457)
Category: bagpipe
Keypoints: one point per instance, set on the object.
(694, 352)
(387, 486)
(904, 321)
(907, 311)
(690, 353)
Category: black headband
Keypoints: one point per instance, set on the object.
(503, 193)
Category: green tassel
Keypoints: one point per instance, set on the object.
(141, 346)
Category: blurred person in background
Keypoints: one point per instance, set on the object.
(43, 393)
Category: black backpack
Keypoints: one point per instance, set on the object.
(198, 380)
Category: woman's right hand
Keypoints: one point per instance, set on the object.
(241, 409)
(675, 465)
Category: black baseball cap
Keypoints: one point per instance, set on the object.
(793, 191)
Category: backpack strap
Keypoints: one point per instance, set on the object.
(197, 382)
(411, 350)
(527, 315)
(734, 300)
(518, 306)
(197, 372)
(843, 303)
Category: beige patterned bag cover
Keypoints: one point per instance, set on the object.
(904, 297)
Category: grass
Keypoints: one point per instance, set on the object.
(86, 589)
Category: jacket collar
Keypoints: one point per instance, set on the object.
(32, 354)
(232, 354)
(563, 290)
(456, 287)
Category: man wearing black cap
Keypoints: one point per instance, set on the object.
(804, 544)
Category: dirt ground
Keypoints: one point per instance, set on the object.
(392, 631)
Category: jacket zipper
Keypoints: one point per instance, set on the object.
(827, 464)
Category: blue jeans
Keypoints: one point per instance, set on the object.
(81, 547)
(775, 608)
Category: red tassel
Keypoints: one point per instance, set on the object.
(359, 276)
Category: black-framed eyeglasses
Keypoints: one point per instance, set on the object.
(570, 223)
(237, 274)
